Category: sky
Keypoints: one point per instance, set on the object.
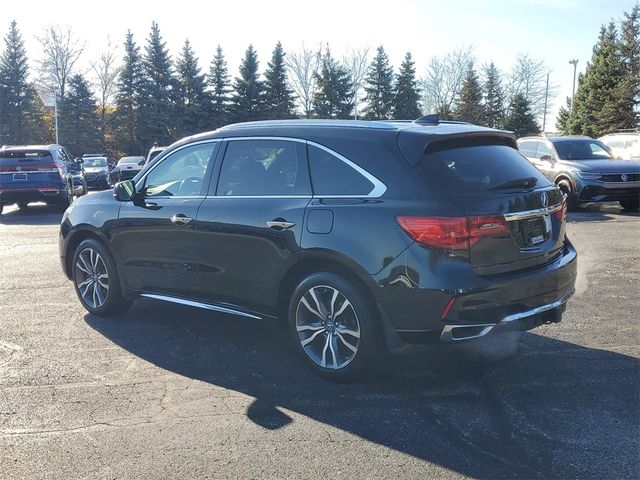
(551, 30)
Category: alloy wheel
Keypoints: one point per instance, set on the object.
(328, 327)
(92, 278)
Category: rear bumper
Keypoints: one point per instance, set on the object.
(45, 194)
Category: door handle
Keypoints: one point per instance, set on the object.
(181, 219)
(280, 224)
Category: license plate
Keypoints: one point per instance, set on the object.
(535, 230)
(536, 240)
(19, 177)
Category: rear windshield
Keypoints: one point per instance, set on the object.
(476, 169)
(25, 153)
(130, 159)
(95, 162)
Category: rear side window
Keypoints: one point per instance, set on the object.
(528, 149)
(475, 169)
(332, 176)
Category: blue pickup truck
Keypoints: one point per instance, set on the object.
(39, 173)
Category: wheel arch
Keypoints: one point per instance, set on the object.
(76, 238)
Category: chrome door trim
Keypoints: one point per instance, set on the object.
(193, 303)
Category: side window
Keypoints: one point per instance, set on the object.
(181, 174)
(528, 149)
(331, 176)
(543, 150)
(264, 167)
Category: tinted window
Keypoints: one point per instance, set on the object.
(24, 153)
(264, 167)
(332, 176)
(528, 149)
(581, 150)
(475, 169)
(95, 162)
(543, 150)
(181, 173)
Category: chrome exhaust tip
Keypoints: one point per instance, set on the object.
(456, 333)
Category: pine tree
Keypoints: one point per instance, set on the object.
(520, 119)
(493, 97)
(159, 99)
(379, 87)
(220, 90)
(407, 94)
(630, 51)
(564, 115)
(21, 120)
(193, 101)
(333, 95)
(128, 99)
(279, 101)
(469, 103)
(79, 122)
(602, 103)
(247, 102)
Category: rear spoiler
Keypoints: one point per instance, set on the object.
(415, 142)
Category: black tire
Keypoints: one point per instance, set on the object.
(631, 204)
(107, 301)
(23, 205)
(332, 335)
(572, 199)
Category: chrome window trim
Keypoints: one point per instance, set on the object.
(193, 303)
(510, 217)
(378, 187)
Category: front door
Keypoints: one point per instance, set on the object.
(250, 227)
(156, 231)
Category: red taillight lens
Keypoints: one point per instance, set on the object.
(452, 233)
(57, 166)
(562, 213)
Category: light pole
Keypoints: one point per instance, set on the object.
(544, 114)
(55, 112)
(573, 62)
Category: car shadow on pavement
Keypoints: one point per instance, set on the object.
(514, 407)
(593, 212)
(35, 214)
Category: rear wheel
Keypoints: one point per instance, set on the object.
(567, 189)
(96, 279)
(632, 204)
(332, 326)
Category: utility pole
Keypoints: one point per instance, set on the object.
(544, 114)
(573, 62)
(55, 112)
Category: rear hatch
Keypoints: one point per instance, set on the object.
(29, 169)
(515, 216)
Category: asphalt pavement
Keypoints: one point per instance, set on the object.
(168, 391)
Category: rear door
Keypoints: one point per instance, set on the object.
(515, 214)
(251, 224)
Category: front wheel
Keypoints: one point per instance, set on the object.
(632, 204)
(567, 189)
(332, 326)
(96, 280)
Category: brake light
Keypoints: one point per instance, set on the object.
(57, 166)
(562, 213)
(452, 233)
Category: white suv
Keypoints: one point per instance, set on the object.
(625, 145)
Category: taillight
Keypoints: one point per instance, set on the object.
(562, 213)
(452, 233)
(57, 166)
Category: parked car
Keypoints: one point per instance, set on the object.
(96, 170)
(126, 169)
(39, 173)
(584, 169)
(624, 145)
(153, 153)
(359, 235)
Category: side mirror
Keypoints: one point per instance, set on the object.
(547, 158)
(124, 191)
(111, 165)
(141, 162)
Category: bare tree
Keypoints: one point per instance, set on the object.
(444, 79)
(302, 67)
(61, 49)
(529, 78)
(106, 71)
(356, 61)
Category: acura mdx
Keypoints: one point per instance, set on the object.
(357, 235)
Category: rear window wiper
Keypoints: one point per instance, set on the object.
(526, 182)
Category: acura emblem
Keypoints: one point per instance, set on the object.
(624, 177)
(544, 198)
(18, 169)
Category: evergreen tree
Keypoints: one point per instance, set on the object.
(278, 98)
(333, 95)
(493, 97)
(220, 90)
(630, 51)
(379, 87)
(602, 102)
(21, 120)
(128, 99)
(407, 93)
(79, 122)
(247, 102)
(469, 103)
(159, 99)
(520, 119)
(194, 103)
(563, 117)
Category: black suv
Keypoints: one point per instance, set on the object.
(357, 234)
(585, 169)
